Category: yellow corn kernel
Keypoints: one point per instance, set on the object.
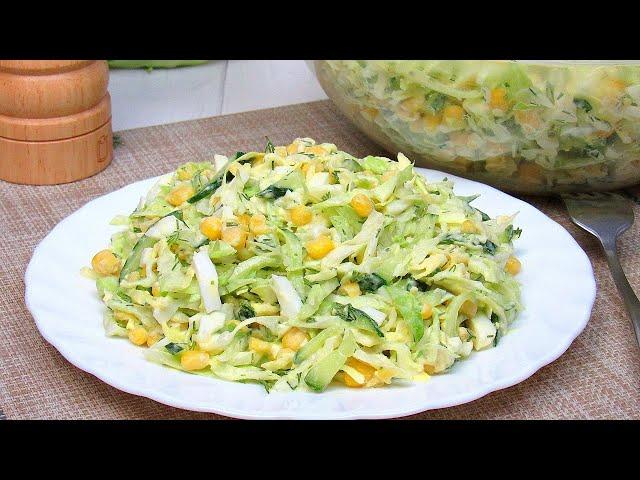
(294, 339)
(259, 346)
(194, 360)
(453, 113)
(105, 263)
(365, 369)
(615, 86)
(469, 309)
(513, 266)
(292, 148)
(211, 227)
(281, 151)
(235, 236)
(498, 98)
(180, 194)
(469, 83)
(530, 172)
(411, 104)
(316, 150)
(462, 163)
(138, 336)
(429, 369)
(153, 338)
(233, 168)
(468, 227)
(305, 167)
(266, 348)
(258, 224)
(155, 289)
(124, 316)
(370, 113)
(362, 204)
(258, 158)
(604, 133)
(243, 220)
(319, 247)
(431, 122)
(300, 215)
(186, 172)
(385, 375)
(495, 164)
(350, 382)
(427, 311)
(351, 289)
(318, 167)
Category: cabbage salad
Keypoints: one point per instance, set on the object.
(303, 265)
(535, 125)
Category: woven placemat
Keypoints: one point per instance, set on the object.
(598, 377)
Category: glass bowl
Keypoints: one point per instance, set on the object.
(538, 127)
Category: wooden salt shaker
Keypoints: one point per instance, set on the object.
(55, 120)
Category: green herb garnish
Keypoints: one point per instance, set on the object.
(273, 192)
(582, 104)
(357, 317)
(368, 282)
(489, 247)
(270, 148)
(246, 311)
(173, 348)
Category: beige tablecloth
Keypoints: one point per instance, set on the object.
(598, 377)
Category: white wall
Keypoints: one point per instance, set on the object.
(140, 98)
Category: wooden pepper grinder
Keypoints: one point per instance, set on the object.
(55, 120)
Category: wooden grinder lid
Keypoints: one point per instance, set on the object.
(55, 120)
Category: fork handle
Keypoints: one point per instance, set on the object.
(628, 295)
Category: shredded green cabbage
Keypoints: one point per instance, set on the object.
(292, 287)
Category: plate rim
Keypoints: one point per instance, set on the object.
(526, 371)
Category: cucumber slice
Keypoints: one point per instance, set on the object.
(323, 372)
(313, 345)
(146, 241)
(133, 262)
(210, 188)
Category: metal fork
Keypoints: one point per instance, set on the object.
(606, 216)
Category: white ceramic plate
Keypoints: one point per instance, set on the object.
(557, 285)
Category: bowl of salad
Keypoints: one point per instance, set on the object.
(537, 127)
